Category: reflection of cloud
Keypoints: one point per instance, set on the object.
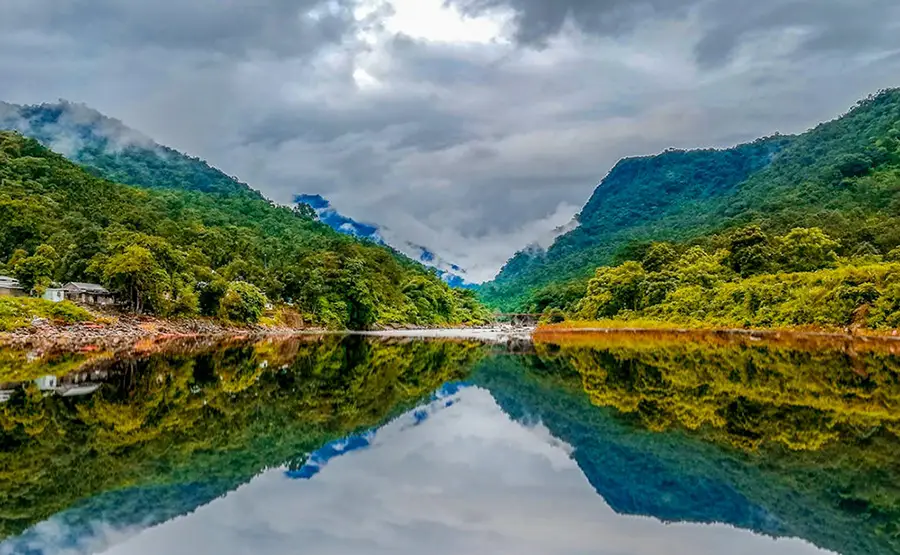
(466, 480)
(56, 537)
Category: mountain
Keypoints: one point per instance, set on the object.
(839, 176)
(449, 272)
(110, 149)
(186, 235)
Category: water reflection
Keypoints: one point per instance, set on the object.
(351, 445)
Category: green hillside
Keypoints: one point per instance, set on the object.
(108, 148)
(174, 251)
(840, 176)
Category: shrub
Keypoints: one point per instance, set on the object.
(242, 303)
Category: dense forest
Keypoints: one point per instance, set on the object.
(748, 279)
(109, 149)
(207, 249)
(840, 180)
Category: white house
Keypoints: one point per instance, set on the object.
(45, 383)
(54, 294)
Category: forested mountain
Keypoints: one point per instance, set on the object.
(178, 251)
(841, 176)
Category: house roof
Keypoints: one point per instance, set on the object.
(73, 391)
(86, 288)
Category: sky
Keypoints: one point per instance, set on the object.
(467, 479)
(473, 127)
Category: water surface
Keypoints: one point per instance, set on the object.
(616, 444)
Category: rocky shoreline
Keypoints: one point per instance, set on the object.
(123, 331)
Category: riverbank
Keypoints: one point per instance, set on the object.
(113, 332)
(655, 327)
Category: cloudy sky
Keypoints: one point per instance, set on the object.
(471, 126)
(468, 480)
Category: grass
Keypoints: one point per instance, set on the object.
(18, 312)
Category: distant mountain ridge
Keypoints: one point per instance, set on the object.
(454, 275)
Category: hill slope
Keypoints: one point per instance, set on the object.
(176, 251)
(834, 176)
(110, 149)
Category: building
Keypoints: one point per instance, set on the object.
(55, 293)
(77, 390)
(46, 383)
(87, 293)
(10, 287)
(71, 385)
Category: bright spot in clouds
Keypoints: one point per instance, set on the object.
(434, 20)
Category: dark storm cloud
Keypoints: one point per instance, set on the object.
(845, 25)
(538, 20)
(839, 27)
(228, 27)
(411, 122)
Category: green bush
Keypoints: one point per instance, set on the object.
(18, 312)
(242, 303)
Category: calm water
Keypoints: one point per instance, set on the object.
(341, 445)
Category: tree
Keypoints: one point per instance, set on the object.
(613, 290)
(658, 256)
(853, 165)
(35, 272)
(750, 252)
(242, 303)
(136, 275)
(210, 295)
(806, 249)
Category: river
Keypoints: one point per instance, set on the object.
(448, 443)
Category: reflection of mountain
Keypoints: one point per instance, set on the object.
(173, 432)
(618, 460)
(840, 495)
(449, 272)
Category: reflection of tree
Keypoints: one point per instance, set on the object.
(745, 393)
(217, 416)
